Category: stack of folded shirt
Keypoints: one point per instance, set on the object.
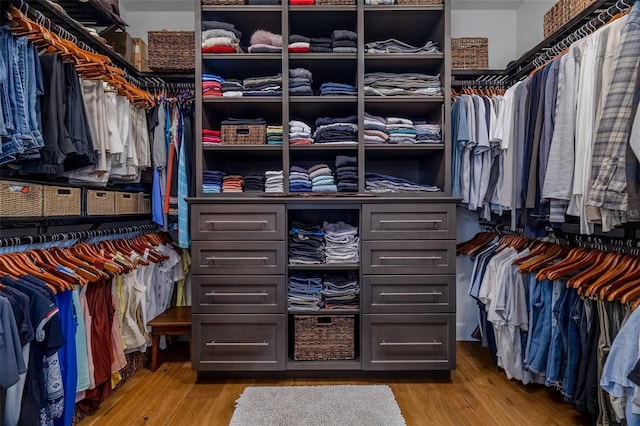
(306, 244)
(220, 37)
(340, 291)
(336, 130)
(274, 135)
(212, 181)
(338, 89)
(263, 86)
(212, 85)
(320, 45)
(299, 133)
(253, 183)
(428, 133)
(375, 129)
(232, 88)
(232, 183)
(265, 42)
(347, 173)
(396, 46)
(300, 80)
(406, 84)
(382, 183)
(299, 180)
(322, 179)
(302, 2)
(344, 41)
(401, 131)
(304, 292)
(299, 43)
(274, 181)
(210, 137)
(342, 244)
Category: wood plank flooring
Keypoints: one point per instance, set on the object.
(477, 394)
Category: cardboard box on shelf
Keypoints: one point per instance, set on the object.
(140, 60)
(121, 42)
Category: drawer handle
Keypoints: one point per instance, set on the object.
(259, 222)
(434, 343)
(214, 343)
(411, 221)
(410, 258)
(213, 293)
(237, 258)
(426, 293)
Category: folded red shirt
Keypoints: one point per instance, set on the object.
(219, 49)
(302, 2)
(298, 50)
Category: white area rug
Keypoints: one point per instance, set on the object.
(349, 405)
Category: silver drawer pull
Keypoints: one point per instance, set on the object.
(213, 293)
(214, 343)
(253, 222)
(410, 221)
(427, 293)
(237, 258)
(434, 343)
(410, 258)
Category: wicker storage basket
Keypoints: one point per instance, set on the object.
(61, 201)
(320, 338)
(561, 13)
(222, 2)
(20, 199)
(144, 203)
(126, 203)
(100, 203)
(469, 53)
(419, 2)
(243, 134)
(172, 50)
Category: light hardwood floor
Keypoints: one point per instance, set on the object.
(477, 394)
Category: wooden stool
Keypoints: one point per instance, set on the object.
(175, 321)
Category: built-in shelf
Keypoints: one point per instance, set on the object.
(40, 222)
(241, 56)
(325, 312)
(324, 365)
(324, 8)
(398, 7)
(325, 267)
(404, 147)
(220, 147)
(323, 99)
(404, 99)
(242, 99)
(404, 56)
(324, 56)
(324, 147)
(242, 8)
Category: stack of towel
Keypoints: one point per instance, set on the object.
(232, 183)
(274, 135)
(210, 137)
(428, 133)
(274, 181)
(220, 37)
(320, 45)
(340, 291)
(406, 84)
(347, 173)
(299, 43)
(300, 80)
(306, 244)
(322, 179)
(299, 133)
(344, 41)
(342, 244)
(263, 86)
(265, 42)
(212, 85)
(304, 292)
(232, 88)
(338, 89)
(253, 183)
(299, 180)
(375, 129)
(336, 130)
(212, 181)
(401, 131)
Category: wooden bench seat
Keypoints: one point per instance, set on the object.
(175, 321)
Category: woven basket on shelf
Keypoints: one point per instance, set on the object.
(469, 53)
(20, 199)
(419, 2)
(126, 203)
(144, 203)
(243, 134)
(172, 50)
(320, 338)
(561, 13)
(100, 203)
(61, 201)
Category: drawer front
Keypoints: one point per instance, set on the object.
(394, 294)
(409, 257)
(408, 221)
(222, 294)
(409, 342)
(239, 342)
(237, 222)
(238, 258)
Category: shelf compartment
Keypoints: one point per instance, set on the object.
(404, 99)
(241, 56)
(220, 147)
(326, 312)
(242, 8)
(414, 107)
(404, 8)
(326, 267)
(323, 56)
(419, 24)
(422, 166)
(424, 64)
(321, 22)
(323, 99)
(324, 8)
(324, 365)
(242, 100)
(245, 19)
(404, 148)
(324, 147)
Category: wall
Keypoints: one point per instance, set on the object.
(530, 27)
(143, 16)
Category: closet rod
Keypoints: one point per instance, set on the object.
(76, 235)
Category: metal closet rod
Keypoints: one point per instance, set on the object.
(75, 235)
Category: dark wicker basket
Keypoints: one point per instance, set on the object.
(172, 50)
(324, 337)
(243, 134)
(469, 53)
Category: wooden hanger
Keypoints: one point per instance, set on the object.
(588, 276)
